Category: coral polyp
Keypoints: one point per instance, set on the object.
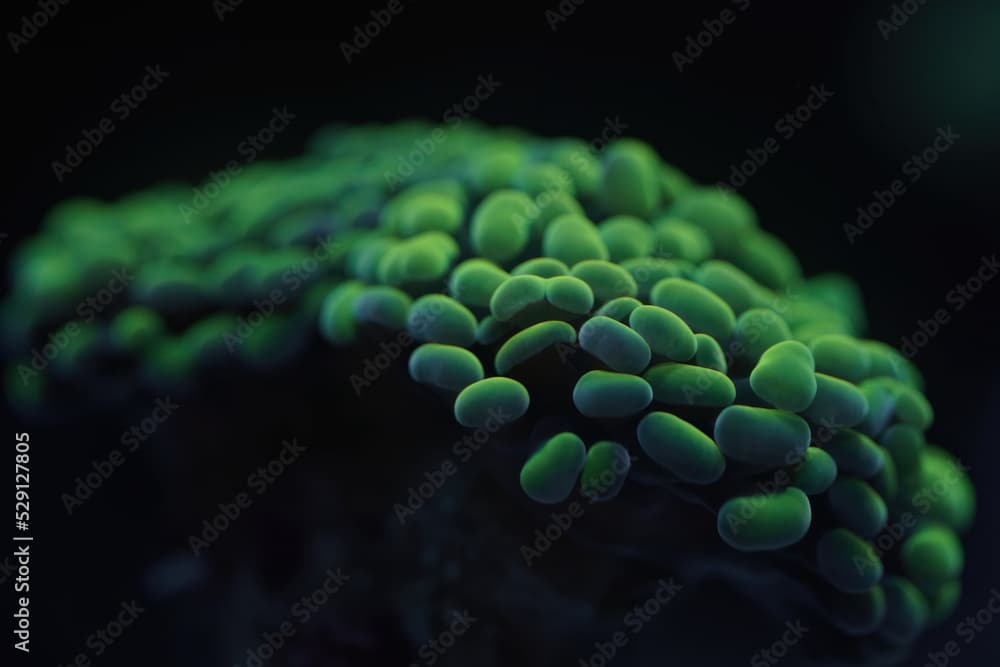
(624, 312)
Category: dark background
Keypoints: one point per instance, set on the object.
(606, 59)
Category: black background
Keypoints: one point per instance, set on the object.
(606, 59)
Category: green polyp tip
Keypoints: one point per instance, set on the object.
(490, 330)
(886, 480)
(666, 333)
(363, 257)
(709, 353)
(841, 356)
(943, 600)
(604, 471)
(430, 211)
(381, 305)
(673, 182)
(881, 407)
(756, 330)
(499, 229)
(515, 295)
(630, 181)
(215, 337)
(549, 206)
(768, 261)
(168, 284)
(169, 364)
(603, 394)
(816, 473)
(543, 177)
(837, 404)
(420, 259)
(577, 158)
(859, 614)
(847, 562)
(680, 448)
(543, 267)
(683, 384)
(473, 282)
(549, 475)
(436, 318)
(732, 285)
(857, 506)
(784, 376)
(571, 239)
(932, 556)
(907, 612)
(607, 280)
(497, 401)
(136, 327)
(679, 239)
(724, 215)
(911, 406)
(495, 167)
(855, 453)
(941, 490)
(761, 436)
(765, 522)
(530, 342)
(647, 271)
(445, 366)
(618, 309)
(702, 309)
(614, 344)
(904, 444)
(626, 237)
(570, 294)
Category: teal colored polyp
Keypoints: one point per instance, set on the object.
(760, 436)
(703, 311)
(494, 401)
(550, 474)
(606, 394)
(616, 345)
(765, 522)
(681, 448)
